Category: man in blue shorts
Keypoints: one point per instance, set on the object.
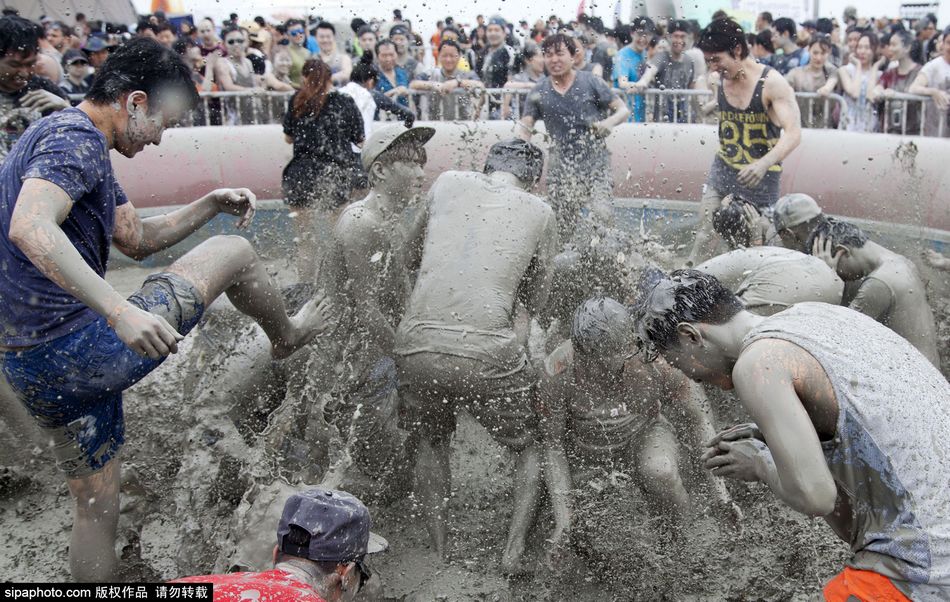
(70, 343)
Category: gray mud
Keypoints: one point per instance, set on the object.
(205, 461)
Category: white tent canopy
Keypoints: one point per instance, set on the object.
(112, 11)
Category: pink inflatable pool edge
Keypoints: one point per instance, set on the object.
(902, 180)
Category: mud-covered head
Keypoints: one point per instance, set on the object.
(842, 239)
(515, 156)
(669, 317)
(730, 221)
(602, 329)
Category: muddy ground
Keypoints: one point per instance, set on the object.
(198, 452)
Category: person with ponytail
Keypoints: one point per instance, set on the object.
(322, 124)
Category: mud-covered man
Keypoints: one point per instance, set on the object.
(852, 424)
(770, 279)
(486, 259)
(367, 277)
(759, 125)
(889, 287)
(601, 408)
(579, 110)
(71, 344)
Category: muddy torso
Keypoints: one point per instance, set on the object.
(891, 452)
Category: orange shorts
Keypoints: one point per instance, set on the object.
(865, 586)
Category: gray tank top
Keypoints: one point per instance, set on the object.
(891, 452)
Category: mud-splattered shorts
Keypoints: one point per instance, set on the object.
(73, 385)
(433, 387)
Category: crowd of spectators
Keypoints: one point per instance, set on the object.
(868, 62)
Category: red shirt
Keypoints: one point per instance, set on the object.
(271, 586)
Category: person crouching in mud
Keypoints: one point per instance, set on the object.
(606, 408)
(367, 276)
(71, 344)
(852, 424)
(486, 259)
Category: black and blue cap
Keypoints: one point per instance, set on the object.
(338, 525)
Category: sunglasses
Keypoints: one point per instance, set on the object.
(233, 41)
(295, 32)
(79, 63)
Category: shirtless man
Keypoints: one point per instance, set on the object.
(770, 279)
(754, 140)
(71, 344)
(606, 408)
(852, 424)
(890, 289)
(488, 246)
(367, 275)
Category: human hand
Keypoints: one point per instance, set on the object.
(888, 93)
(738, 459)
(43, 101)
(824, 90)
(637, 88)
(752, 174)
(823, 249)
(746, 430)
(145, 333)
(236, 201)
(941, 99)
(600, 130)
(936, 260)
(447, 87)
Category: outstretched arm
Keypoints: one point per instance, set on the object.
(140, 238)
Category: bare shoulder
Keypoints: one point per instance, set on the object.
(776, 86)
(356, 219)
(772, 360)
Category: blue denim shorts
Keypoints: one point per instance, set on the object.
(73, 385)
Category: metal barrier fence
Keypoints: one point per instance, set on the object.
(904, 114)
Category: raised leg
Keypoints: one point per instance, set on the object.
(92, 544)
(229, 264)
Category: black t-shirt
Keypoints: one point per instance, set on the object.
(497, 65)
(602, 56)
(328, 136)
(258, 63)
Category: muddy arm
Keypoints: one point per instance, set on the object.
(536, 283)
(553, 425)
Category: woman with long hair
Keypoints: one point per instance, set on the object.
(858, 80)
(812, 78)
(322, 124)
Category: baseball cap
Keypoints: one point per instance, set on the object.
(794, 209)
(72, 56)
(516, 156)
(397, 30)
(338, 525)
(643, 24)
(809, 24)
(388, 135)
(95, 44)
(498, 20)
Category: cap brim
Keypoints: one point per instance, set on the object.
(376, 544)
(418, 135)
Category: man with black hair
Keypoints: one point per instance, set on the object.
(631, 63)
(672, 70)
(601, 407)
(788, 54)
(71, 344)
(400, 35)
(740, 224)
(889, 288)
(499, 61)
(323, 539)
(339, 63)
(759, 125)
(462, 343)
(24, 96)
(763, 21)
(852, 424)
(452, 90)
(579, 111)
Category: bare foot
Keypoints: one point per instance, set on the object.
(312, 320)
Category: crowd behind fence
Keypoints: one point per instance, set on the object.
(904, 114)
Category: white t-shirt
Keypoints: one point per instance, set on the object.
(938, 76)
(366, 105)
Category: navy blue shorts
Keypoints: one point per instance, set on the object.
(73, 385)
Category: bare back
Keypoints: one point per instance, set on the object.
(486, 244)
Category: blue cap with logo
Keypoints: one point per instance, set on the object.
(338, 525)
